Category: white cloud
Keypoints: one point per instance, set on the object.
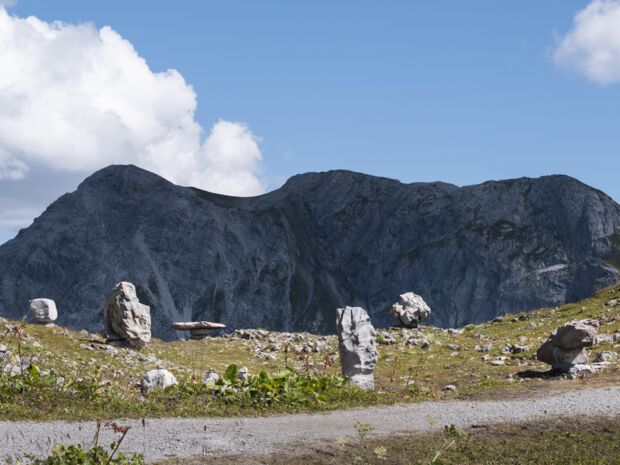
(75, 98)
(592, 46)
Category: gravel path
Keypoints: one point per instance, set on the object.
(162, 438)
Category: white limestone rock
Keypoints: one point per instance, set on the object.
(410, 310)
(357, 345)
(43, 311)
(125, 317)
(157, 379)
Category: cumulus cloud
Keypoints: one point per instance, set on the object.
(77, 98)
(592, 46)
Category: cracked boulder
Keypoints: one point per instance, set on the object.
(410, 310)
(125, 317)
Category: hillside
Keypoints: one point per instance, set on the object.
(101, 381)
(287, 259)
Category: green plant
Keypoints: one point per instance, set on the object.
(451, 434)
(96, 455)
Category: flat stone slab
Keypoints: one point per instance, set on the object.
(193, 325)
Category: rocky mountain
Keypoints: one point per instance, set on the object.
(287, 259)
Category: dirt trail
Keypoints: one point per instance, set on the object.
(162, 438)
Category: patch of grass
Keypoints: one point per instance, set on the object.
(561, 442)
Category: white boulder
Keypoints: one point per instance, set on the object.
(357, 345)
(157, 379)
(43, 311)
(125, 317)
(410, 310)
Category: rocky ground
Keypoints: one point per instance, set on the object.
(414, 364)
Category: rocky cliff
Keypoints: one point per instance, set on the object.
(286, 260)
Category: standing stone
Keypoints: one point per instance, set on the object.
(565, 348)
(43, 311)
(410, 310)
(126, 317)
(357, 346)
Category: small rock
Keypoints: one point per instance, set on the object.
(243, 374)
(449, 387)
(606, 356)
(157, 379)
(454, 347)
(211, 377)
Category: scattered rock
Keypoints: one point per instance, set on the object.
(157, 379)
(43, 311)
(605, 356)
(410, 310)
(243, 374)
(454, 347)
(126, 317)
(483, 347)
(357, 346)
(449, 387)
(211, 377)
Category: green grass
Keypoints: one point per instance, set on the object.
(100, 384)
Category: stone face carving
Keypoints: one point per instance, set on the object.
(565, 348)
(126, 317)
(43, 311)
(357, 346)
(410, 310)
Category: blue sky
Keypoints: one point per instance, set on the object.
(455, 91)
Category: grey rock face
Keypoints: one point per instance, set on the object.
(284, 260)
(565, 349)
(410, 310)
(157, 379)
(126, 317)
(43, 311)
(357, 346)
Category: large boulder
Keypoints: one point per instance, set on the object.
(43, 311)
(410, 310)
(357, 346)
(157, 379)
(125, 317)
(565, 348)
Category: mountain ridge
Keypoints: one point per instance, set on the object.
(286, 259)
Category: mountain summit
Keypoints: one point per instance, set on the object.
(287, 259)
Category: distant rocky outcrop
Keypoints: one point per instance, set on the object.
(286, 259)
